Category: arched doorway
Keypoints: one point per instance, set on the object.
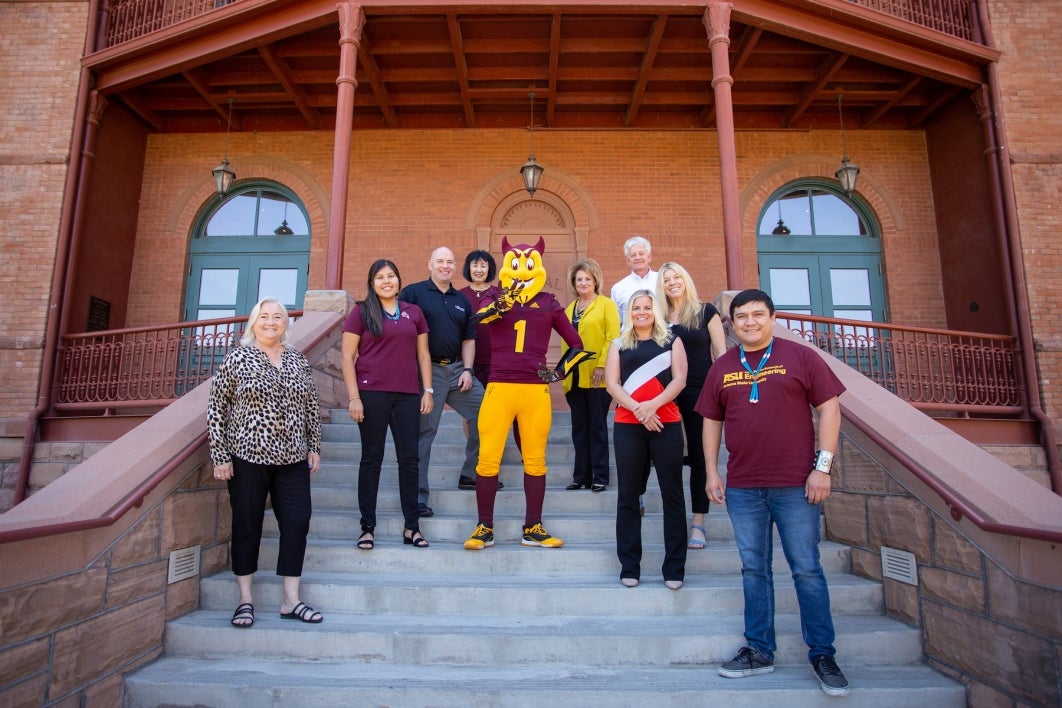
(819, 253)
(521, 219)
(252, 243)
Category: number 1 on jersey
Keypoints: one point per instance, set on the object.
(521, 328)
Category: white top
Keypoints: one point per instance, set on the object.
(622, 291)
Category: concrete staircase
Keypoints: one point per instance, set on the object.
(510, 625)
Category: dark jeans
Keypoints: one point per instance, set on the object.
(693, 423)
(288, 488)
(634, 446)
(589, 434)
(401, 413)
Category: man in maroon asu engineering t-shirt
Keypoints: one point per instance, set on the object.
(520, 321)
(761, 394)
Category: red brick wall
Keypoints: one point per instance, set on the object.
(35, 128)
(413, 190)
(1027, 33)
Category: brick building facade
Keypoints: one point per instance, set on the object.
(112, 218)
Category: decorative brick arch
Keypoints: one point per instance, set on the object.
(187, 206)
(560, 203)
(883, 206)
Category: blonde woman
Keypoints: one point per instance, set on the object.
(700, 328)
(644, 372)
(596, 319)
(265, 440)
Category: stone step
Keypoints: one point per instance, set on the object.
(341, 453)
(240, 681)
(443, 452)
(597, 595)
(450, 499)
(640, 640)
(509, 558)
(561, 520)
(451, 432)
(510, 625)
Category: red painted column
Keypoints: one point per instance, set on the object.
(351, 23)
(717, 21)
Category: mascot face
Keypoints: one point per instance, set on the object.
(522, 271)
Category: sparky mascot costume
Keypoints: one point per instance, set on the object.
(520, 321)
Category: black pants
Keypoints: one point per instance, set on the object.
(693, 423)
(634, 446)
(288, 487)
(401, 413)
(589, 434)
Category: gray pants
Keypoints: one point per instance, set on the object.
(444, 380)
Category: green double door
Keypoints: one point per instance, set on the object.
(843, 285)
(846, 286)
(229, 284)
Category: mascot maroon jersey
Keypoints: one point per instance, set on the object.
(519, 340)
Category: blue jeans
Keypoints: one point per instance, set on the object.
(753, 512)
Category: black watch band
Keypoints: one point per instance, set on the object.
(468, 369)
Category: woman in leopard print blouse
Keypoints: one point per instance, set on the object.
(265, 439)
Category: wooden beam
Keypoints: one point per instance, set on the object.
(457, 47)
(379, 88)
(827, 70)
(554, 67)
(282, 71)
(652, 45)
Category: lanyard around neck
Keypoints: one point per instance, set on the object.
(754, 393)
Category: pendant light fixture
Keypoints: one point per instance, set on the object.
(848, 171)
(532, 171)
(223, 174)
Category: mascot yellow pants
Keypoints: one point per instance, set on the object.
(530, 406)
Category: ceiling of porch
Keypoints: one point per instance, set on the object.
(601, 67)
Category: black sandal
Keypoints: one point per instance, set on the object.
(244, 616)
(415, 539)
(366, 542)
(303, 612)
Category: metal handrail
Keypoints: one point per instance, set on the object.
(130, 19)
(932, 369)
(142, 367)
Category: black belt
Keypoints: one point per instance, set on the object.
(443, 362)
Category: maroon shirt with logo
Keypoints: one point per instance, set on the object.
(771, 443)
(388, 362)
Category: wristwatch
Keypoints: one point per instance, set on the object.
(429, 390)
(468, 369)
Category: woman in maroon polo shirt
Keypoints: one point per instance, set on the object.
(385, 345)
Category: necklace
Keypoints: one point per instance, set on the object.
(394, 317)
(754, 392)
